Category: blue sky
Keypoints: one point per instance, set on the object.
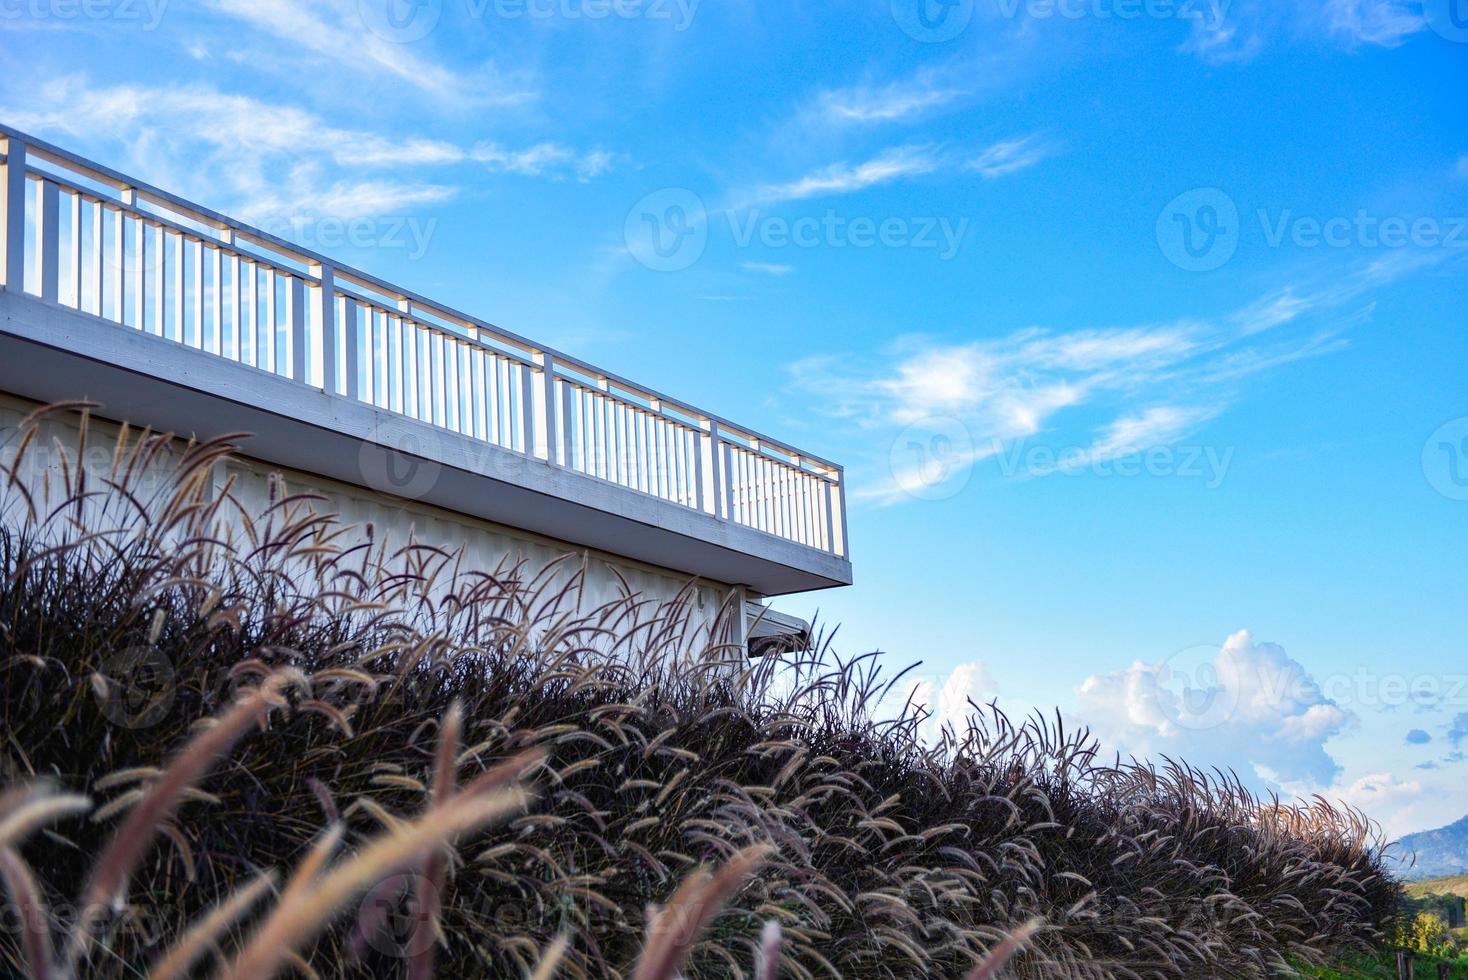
(1139, 324)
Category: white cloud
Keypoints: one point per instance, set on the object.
(845, 178)
(769, 268)
(1400, 806)
(1246, 707)
(1012, 156)
(1386, 23)
(343, 200)
(951, 700)
(1151, 386)
(1160, 425)
(542, 159)
(1240, 29)
(1222, 42)
(338, 32)
(1007, 389)
(264, 161)
(893, 102)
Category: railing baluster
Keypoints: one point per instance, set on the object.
(296, 300)
(176, 322)
(353, 354)
(49, 243)
(216, 269)
(158, 250)
(726, 463)
(197, 274)
(545, 408)
(568, 424)
(324, 307)
(74, 277)
(119, 265)
(12, 208)
(397, 397)
(98, 280)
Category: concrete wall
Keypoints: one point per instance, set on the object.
(256, 486)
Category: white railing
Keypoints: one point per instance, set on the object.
(86, 237)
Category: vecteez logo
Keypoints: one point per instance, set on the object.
(401, 458)
(1198, 231)
(932, 459)
(668, 230)
(136, 687)
(933, 21)
(400, 21)
(1198, 688)
(1201, 230)
(1445, 460)
(1449, 18)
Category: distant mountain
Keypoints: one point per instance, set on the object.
(1439, 853)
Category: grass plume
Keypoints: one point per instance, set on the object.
(404, 691)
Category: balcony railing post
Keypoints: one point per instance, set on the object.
(325, 317)
(350, 351)
(830, 507)
(708, 470)
(48, 242)
(13, 246)
(841, 549)
(545, 409)
(528, 414)
(726, 467)
(299, 321)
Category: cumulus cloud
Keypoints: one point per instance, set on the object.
(1385, 798)
(950, 700)
(1246, 706)
(1418, 737)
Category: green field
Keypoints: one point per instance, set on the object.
(1382, 966)
(1456, 885)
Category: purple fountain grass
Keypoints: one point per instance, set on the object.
(879, 855)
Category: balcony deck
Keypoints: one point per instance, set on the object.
(172, 315)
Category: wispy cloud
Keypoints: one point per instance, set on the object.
(264, 161)
(342, 199)
(1011, 156)
(1386, 23)
(1241, 29)
(1160, 425)
(769, 268)
(542, 159)
(845, 178)
(893, 102)
(1223, 42)
(1116, 391)
(339, 33)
